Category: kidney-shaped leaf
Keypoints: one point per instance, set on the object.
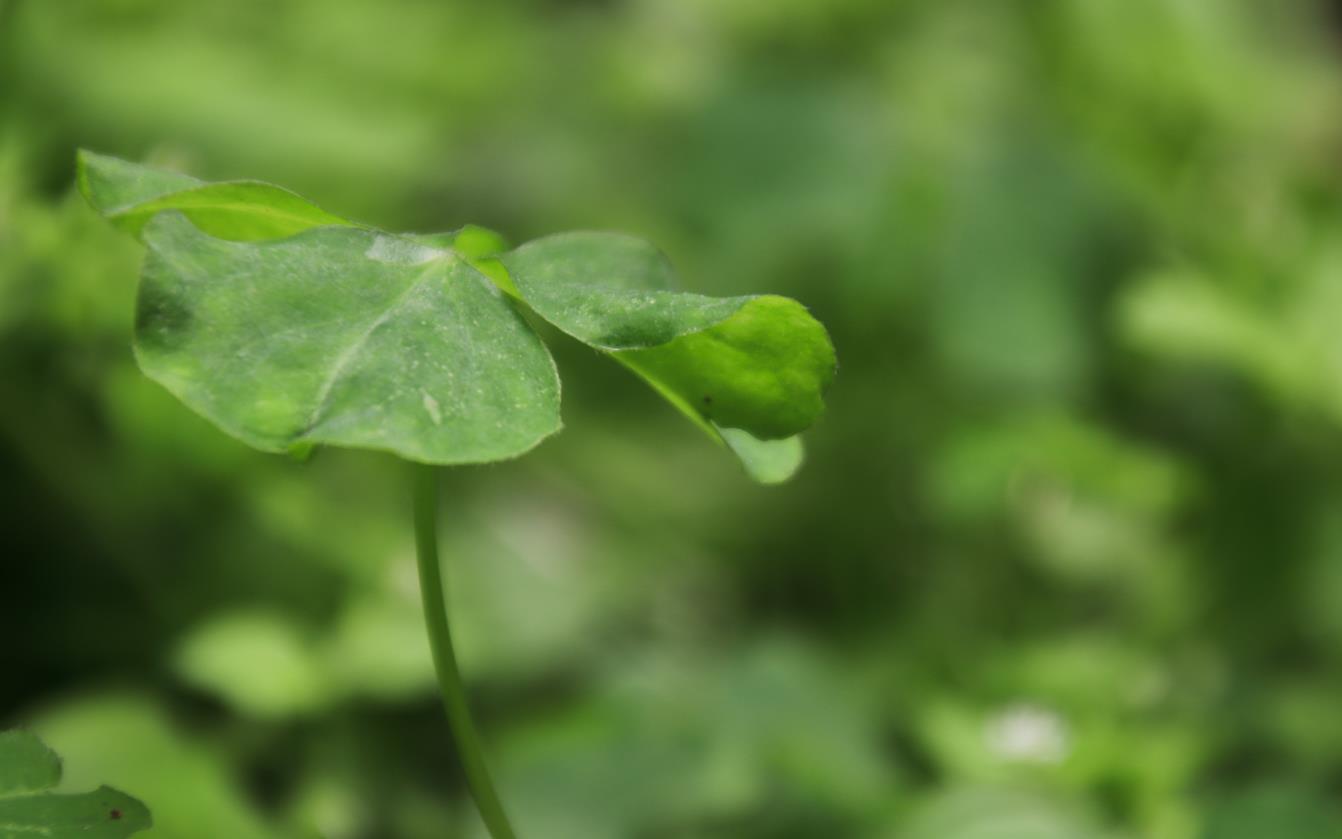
(343, 336)
(756, 367)
(29, 770)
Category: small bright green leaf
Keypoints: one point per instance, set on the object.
(481, 247)
(346, 337)
(28, 769)
(474, 241)
(759, 365)
(129, 195)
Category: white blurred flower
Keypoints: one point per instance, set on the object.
(1025, 733)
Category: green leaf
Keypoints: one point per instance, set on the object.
(965, 812)
(113, 185)
(258, 662)
(26, 764)
(611, 291)
(763, 370)
(758, 366)
(190, 777)
(28, 769)
(342, 336)
(289, 327)
(129, 195)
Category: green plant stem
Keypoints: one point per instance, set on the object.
(445, 659)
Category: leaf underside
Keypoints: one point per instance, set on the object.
(287, 327)
(29, 770)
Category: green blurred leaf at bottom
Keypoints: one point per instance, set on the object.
(999, 813)
(190, 780)
(29, 770)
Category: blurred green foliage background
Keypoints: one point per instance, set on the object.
(1066, 559)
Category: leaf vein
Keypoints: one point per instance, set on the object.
(348, 355)
(236, 206)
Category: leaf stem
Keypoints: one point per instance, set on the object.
(445, 659)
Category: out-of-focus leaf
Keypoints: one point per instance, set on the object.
(1274, 810)
(667, 740)
(29, 770)
(258, 662)
(1188, 319)
(194, 794)
(996, 813)
(984, 467)
(26, 764)
(378, 649)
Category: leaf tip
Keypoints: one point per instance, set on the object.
(83, 160)
(768, 462)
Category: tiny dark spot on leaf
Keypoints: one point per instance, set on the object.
(115, 814)
(162, 318)
(708, 400)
